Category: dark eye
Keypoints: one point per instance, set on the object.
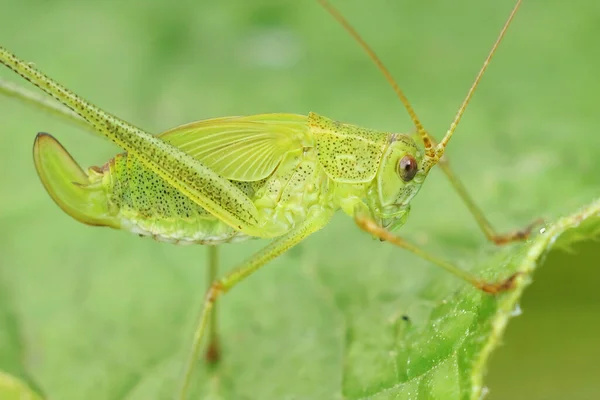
(407, 168)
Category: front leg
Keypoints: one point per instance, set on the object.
(367, 224)
(483, 223)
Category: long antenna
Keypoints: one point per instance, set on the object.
(427, 140)
(442, 145)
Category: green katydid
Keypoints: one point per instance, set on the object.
(274, 176)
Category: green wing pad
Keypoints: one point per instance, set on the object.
(243, 149)
(349, 154)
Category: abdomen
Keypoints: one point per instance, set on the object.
(148, 205)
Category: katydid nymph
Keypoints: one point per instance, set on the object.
(270, 176)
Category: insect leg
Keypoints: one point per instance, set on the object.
(213, 351)
(315, 221)
(195, 180)
(367, 224)
(484, 224)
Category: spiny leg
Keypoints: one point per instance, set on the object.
(485, 226)
(213, 351)
(368, 225)
(315, 221)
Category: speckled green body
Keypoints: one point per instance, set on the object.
(144, 203)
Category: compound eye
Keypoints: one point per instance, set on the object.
(407, 168)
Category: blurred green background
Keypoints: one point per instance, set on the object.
(97, 311)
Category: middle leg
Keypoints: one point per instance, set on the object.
(213, 351)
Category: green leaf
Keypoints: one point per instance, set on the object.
(89, 313)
